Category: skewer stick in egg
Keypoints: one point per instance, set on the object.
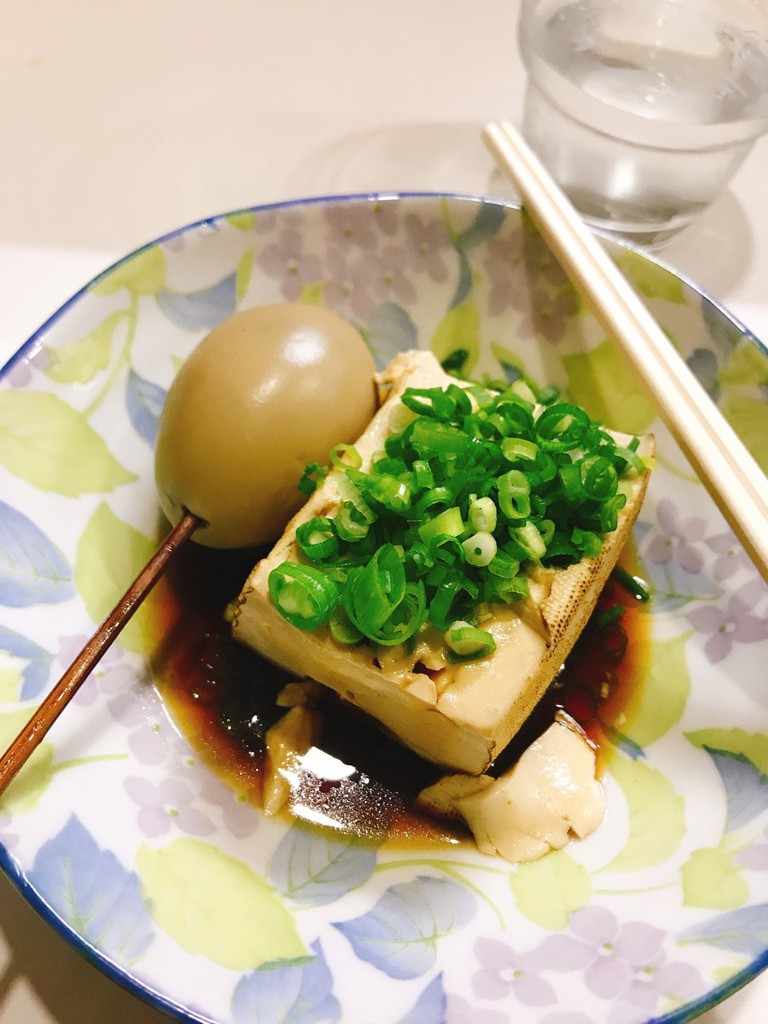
(266, 392)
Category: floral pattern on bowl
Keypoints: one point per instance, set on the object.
(184, 891)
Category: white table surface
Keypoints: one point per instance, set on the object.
(122, 120)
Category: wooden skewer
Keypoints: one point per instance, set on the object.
(41, 721)
(725, 467)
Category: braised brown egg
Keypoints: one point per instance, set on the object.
(267, 391)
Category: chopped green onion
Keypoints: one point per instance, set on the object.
(636, 586)
(561, 427)
(448, 523)
(480, 548)
(348, 526)
(436, 497)
(451, 596)
(519, 448)
(561, 550)
(394, 494)
(312, 477)
(546, 528)
(504, 566)
(507, 590)
(303, 595)
(480, 397)
(352, 497)
(521, 388)
(342, 630)
(482, 513)
(610, 615)
(373, 591)
(418, 560)
(529, 539)
(406, 618)
(587, 542)
(514, 494)
(598, 477)
(430, 436)
(472, 488)
(423, 474)
(384, 465)
(318, 539)
(432, 402)
(517, 417)
(631, 458)
(469, 643)
(461, 400)
(346, 455)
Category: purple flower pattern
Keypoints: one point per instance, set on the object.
(735, 612)
(677, 539)
(725, 626)
(505, 971)
(731, 556)
(287, 260)
(167, 803)
(623, 963)
(350, 225)
(551, 315)
(362, 281)
(240, 818)
(359, 262)
(153, 741)
(507, 290)
(113, 675)
(428, 243)
(386, 216)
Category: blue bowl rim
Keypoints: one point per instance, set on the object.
(114, 971)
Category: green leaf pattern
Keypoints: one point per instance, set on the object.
(51, 446)
(216, 906)
(227, 908)
(109, 556)
(656, 814)
(549, 890)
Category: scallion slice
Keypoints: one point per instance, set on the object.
(468, 643)
(344, 456)
(637, 587)
(482, 513)
(514, 494)
(561, 427)
(448, 523)
(318, 539)
(473, 488)
(303, 595)
(480, 548)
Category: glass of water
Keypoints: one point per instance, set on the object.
(643, 109)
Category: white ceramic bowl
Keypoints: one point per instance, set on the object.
(134, 850)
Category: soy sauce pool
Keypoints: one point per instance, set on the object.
(357, 780)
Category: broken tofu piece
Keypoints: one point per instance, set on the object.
(287, 740)
(547, 797)
(458, 715)
(301, 693)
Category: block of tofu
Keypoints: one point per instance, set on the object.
(457, 715)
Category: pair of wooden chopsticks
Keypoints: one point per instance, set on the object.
(723, 464)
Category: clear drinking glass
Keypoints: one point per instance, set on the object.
(643, 109)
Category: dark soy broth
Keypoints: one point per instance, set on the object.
(223, 698)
